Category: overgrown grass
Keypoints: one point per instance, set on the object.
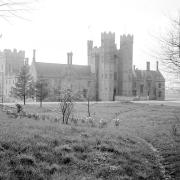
(79, 151)
(32, 149)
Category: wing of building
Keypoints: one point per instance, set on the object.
(10, 65)
(148, 84)
(78, 78)
(114, 74)
(108, 75)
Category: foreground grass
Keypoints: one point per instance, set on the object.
(32, 149)
(152, 123)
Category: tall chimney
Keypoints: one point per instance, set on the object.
(26, 61)
(148, 66)
(157, 66)
(34, 55)
(134, 67)
(69, 58)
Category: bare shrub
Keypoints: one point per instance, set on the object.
(66, 105)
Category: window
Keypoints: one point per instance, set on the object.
(159, 85)
(154, 91)
(134, 93)
(141, 88)
(115, 75)
(160, 93)
(85, 93)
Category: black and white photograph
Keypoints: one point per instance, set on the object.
(89, 89)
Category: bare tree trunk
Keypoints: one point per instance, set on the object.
(41, 103)
(24, 99)
(88, 108)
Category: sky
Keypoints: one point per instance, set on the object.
(55, 27)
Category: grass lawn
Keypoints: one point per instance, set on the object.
(37, 149)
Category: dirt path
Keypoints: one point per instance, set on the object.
(159, 159)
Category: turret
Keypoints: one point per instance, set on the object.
(107, 39)
(89, 50)
(126, 51)
(157, 66)
(126, 40)
(69, 58)
(34, 55)
(148, 66)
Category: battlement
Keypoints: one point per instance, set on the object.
(90, 44)
(126, 38)
(15, 53)
(108, 36)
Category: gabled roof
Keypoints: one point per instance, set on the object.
(148, 75)
(60, 70)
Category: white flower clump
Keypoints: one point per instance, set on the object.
(116, 121)
(102, 123)
(91, 121)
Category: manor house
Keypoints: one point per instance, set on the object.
(108, 75)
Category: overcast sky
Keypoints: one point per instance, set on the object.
(59, 26)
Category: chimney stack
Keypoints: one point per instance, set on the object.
(69, 58)
(157, 66)
(148, 66)
(34, 55)
(134, 67)
(26, 61)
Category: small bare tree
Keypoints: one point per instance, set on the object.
(66, 105)
(170, 46)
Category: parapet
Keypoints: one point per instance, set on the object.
(15, 53)
(108, 36)
(126, 38)
(90, 44)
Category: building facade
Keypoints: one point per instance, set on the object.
(10, 65)
(114, 72)
(148, 84)
(77, 78)
(108, 75)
